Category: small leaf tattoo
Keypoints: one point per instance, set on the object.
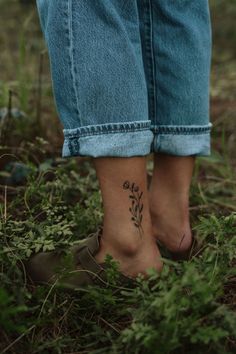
(136, 206)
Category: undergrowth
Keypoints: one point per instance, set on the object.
(49, 203)
(189, 308)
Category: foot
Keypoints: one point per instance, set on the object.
(134, 255)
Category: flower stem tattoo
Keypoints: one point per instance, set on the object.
(136, 206)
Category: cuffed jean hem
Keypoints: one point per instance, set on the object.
(112, 139)
(182, 140)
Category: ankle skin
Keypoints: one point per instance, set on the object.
(135, 256)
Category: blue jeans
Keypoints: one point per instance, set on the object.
(130, 77)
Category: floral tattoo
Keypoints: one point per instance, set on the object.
(136, 206)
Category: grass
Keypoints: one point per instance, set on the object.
(48, 202)
(190, 308)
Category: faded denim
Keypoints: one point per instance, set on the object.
(130, 77)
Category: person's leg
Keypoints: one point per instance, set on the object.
(169, 200)
(176, 39)
(101, 97)
(127, 228)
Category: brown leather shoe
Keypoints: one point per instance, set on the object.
(74, 267)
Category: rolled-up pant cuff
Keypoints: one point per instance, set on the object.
(182, 140)
(113, 139)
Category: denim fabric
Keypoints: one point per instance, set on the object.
(130, 77)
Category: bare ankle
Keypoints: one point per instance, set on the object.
(128, 244)
(133, 254)
(171, 226)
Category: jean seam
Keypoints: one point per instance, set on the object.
(153, 62)
(183, 133)
(73, 145)
(182, 130)
(108, 128)
(71, 56)
(79, 135)
(148, 35)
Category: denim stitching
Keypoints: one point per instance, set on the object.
(149, 55)
(181, 130)
(107, 129)
(153, 63)
(71, 52)
(78, 134)
(70, 146)
(74, 145)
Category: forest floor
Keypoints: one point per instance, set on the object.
(48, 202)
